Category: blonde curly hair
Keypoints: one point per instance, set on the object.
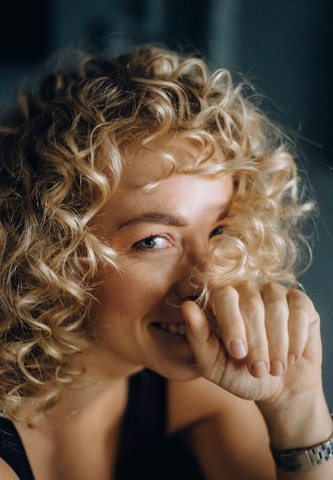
(61, 160)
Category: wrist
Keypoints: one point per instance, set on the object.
(299, 422)
(305, 458)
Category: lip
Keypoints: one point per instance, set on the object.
(166, 335)
(170, 354)
(175, 328)
(168, 321)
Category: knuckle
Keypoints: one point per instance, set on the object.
(276, 308)
(258, 345)
(253, 313)
(252, 307)
(301, 312)
(298, 338)
(280, 343)
(297, 296)
(224, 299)
(273, 289)
(225, 294)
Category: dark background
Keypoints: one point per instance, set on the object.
(284, 47)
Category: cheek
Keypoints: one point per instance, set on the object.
(133, 293)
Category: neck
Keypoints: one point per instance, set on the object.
(103, 382)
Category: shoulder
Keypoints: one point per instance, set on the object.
(197, 400)
(6, 473)
(226, 434)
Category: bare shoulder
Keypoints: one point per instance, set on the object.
(226, 434)
(196, 400)
(6, 472)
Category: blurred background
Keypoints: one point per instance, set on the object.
(285, 47)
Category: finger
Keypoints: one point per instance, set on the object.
(205, 346)
(230, 322)
(253, 313)
(276, 321)
(301, 314)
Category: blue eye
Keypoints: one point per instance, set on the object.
(216, 231)
(154, 242)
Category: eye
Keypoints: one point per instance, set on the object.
(154, 242)
(216, 231)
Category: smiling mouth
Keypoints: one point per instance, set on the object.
(174, 328)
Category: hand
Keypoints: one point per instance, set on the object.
(269, 347)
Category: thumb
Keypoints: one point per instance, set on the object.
(209, 353)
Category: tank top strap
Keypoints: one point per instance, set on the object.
(12, 450)
(146, 451)
(146, 412)
(145, 421)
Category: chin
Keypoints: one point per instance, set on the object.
(174, 370)
(169, 354)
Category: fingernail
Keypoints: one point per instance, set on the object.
(258, 369)
(291, 359)
(276, 368)
(237, 348)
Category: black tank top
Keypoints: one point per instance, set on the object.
(145, 450)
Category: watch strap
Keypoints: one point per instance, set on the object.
(303, 458)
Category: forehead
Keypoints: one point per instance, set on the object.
(174, 191)
(147, 166)
(190, 196)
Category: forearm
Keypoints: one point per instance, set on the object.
(302, 422)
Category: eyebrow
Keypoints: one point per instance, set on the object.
(163, 219)
(156, 217)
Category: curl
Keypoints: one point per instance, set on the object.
(61, 159)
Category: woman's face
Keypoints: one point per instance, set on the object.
(158, 236)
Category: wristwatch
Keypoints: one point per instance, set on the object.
(304, 458)
(300, 458)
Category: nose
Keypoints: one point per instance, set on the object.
(185, 289)
(192, 274)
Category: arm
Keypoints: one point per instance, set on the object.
(305, 422)
(226, 434)
(6, 473)
(279, 367)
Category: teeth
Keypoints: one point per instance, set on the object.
(175, 328)
(182, 329)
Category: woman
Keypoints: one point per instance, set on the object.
(149, 241)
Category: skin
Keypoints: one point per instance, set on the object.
(157, 238)
(269, 351)
(269, 333)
